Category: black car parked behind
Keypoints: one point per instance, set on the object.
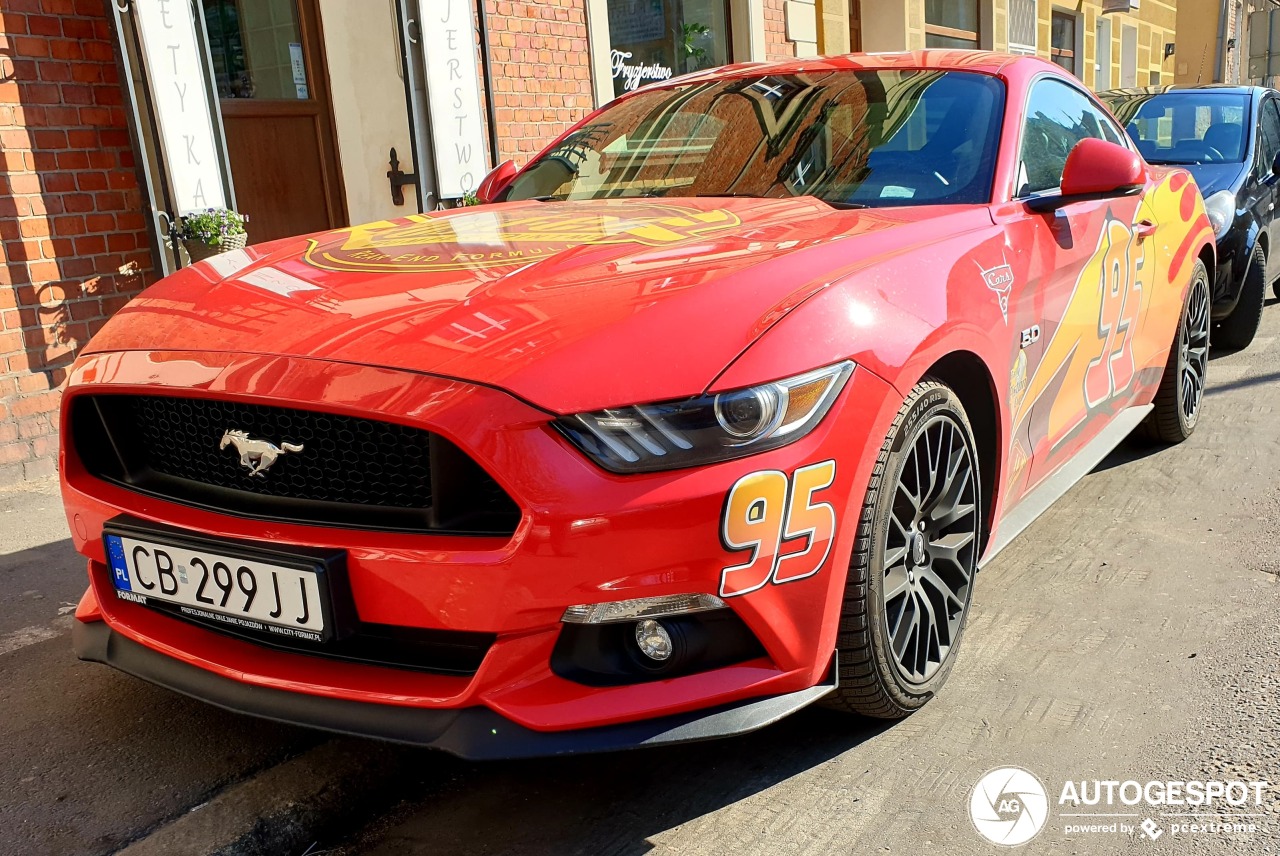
(1228, 137)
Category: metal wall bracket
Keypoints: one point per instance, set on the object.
(399, 178)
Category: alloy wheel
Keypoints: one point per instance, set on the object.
(930, 549)
(1193, 344)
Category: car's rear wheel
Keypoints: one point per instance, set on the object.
(1237, 330)
(911, 573)
(1177, 404)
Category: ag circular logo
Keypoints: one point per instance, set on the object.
(1008, 806)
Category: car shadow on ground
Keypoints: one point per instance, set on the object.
(603, 803)
(93, 756)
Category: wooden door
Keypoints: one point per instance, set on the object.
(855, 26)
(268, 61)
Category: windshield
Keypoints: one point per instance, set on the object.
(849, 138)
(1189, 127)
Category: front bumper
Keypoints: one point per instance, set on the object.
(474, 733)
(586, 536)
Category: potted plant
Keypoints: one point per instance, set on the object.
(212, 231)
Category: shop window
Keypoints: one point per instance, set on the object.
(951, 24)
(1062, 41)
(652, 40)
(256, 49)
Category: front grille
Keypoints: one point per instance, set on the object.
(350, 471)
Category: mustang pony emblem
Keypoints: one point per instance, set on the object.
(257, 455)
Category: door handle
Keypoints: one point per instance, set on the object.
(1144, 229)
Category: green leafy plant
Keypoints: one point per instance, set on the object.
(690, 35)
(212, 227)
(468, 199)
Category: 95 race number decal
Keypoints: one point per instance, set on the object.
(778, 520)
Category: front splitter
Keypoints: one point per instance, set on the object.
(474, 733)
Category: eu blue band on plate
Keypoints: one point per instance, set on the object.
(119, 568)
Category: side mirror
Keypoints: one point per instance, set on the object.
(1099, 168)
(497, 181)
(1095, 169)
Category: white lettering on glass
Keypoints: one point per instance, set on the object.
(634, 75)
(453, 94)
(171, 59)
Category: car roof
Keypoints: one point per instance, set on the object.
(1223, 88)
(986, 62)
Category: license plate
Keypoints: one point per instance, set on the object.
(238, 592)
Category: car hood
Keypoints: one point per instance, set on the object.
(569, 305)
(1212, 177)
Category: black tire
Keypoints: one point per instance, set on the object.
(873, 678)
(1177, 403)
(1237, 330)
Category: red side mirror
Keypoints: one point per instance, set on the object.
(1098, 168)
(493, 184)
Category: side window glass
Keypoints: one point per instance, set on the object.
(1270, 134)
(1058, 117)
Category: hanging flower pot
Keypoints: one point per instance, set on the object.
(211, 232)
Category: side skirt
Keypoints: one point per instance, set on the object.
(1051, 489)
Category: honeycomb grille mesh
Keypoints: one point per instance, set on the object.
(344, 459)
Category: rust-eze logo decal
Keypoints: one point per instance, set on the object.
(485, 239)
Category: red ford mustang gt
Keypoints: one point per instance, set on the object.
(714, 414)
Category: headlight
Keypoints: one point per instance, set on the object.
(706, 428)
(1221, 208)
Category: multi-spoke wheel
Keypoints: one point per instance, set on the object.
(930, 549)
(1177, 403)
(911, 573)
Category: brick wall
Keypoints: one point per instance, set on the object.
(541, 71)
(776, 45)
(73, 246)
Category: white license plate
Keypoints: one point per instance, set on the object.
(246, 594)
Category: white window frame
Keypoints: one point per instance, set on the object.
(1018, 47)
(1128, 58)
(1102, 54)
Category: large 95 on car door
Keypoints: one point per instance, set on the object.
(711, 412)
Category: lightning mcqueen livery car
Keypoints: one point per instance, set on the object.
(715, 413)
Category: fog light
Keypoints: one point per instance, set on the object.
(653, 639)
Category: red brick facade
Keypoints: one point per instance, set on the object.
(776, 45)
(541, 71)
(73, 245)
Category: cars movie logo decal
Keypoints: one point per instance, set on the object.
(487, 238)
(1000, 280)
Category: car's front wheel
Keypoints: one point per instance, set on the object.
(1237, 330)
(911, 573)
(1181, 392)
